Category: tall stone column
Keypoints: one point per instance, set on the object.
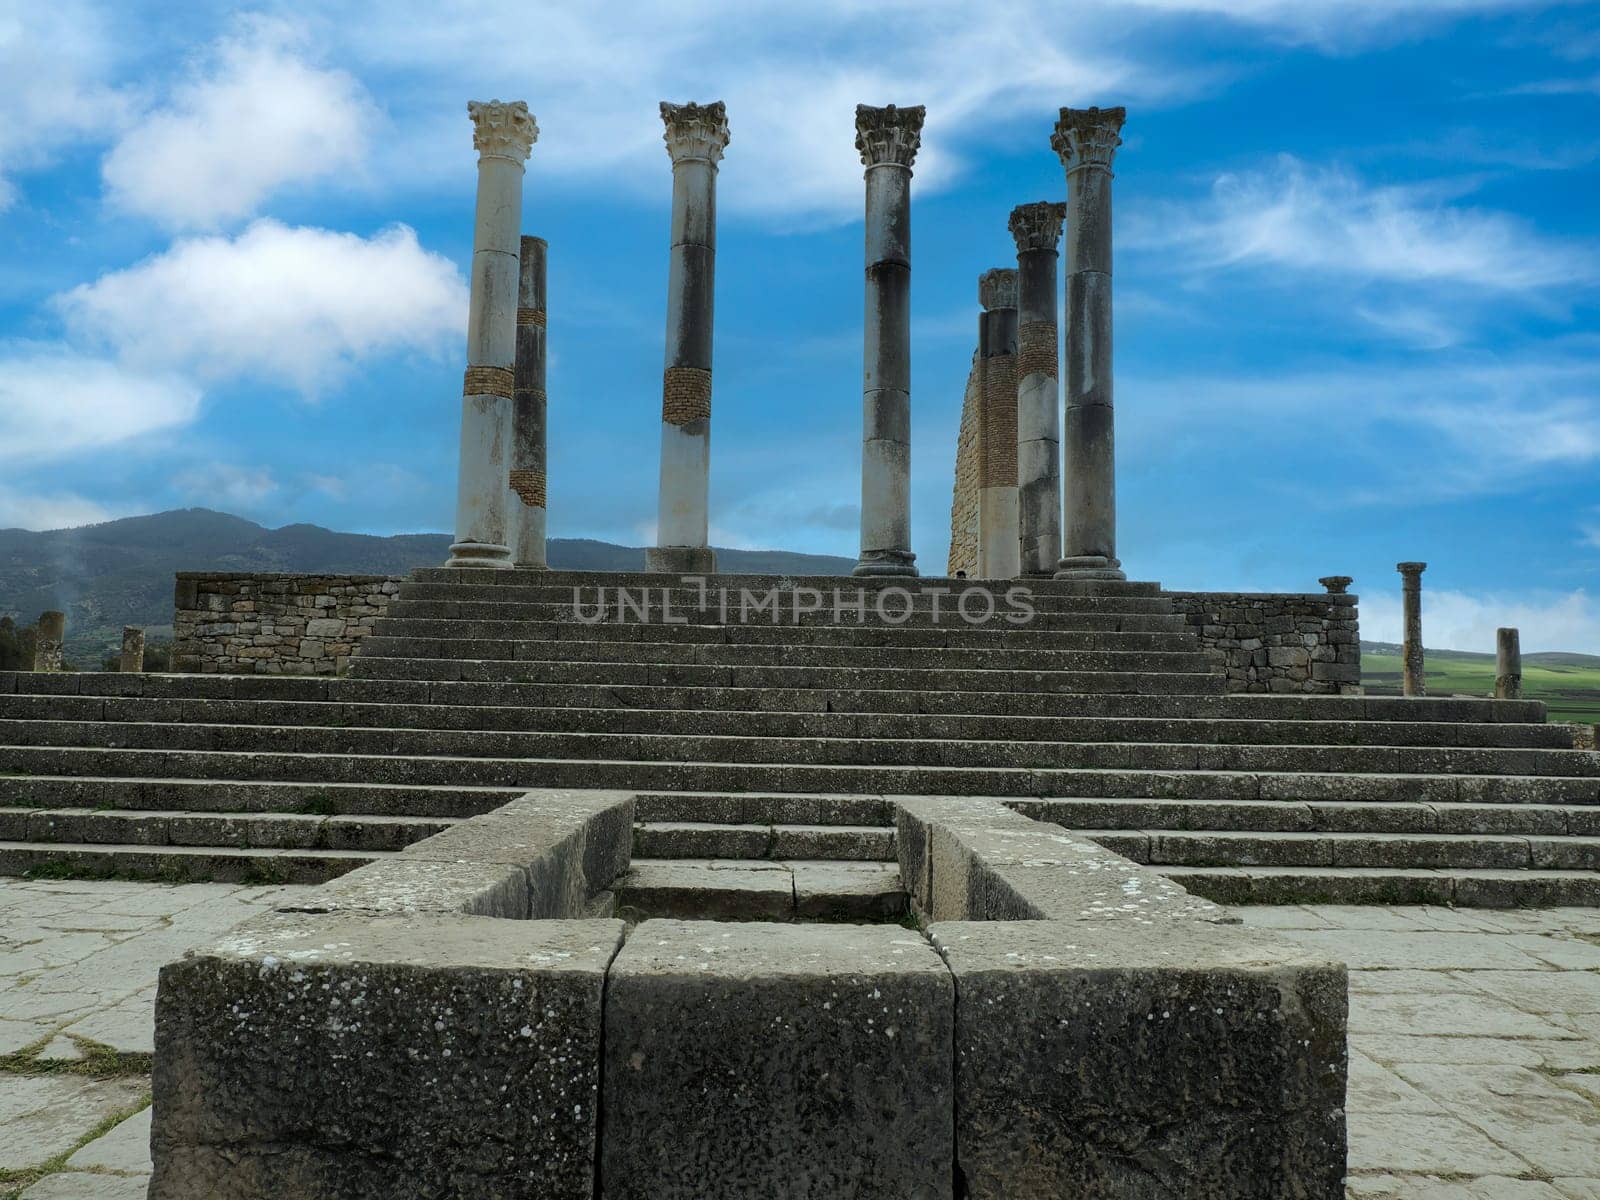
(1507, 664)
(1037, 230)
(1411, 680)
(1086, 139)
(503, 134)
(999, 549)
(132, 660)
(888, 139)
(528, 410)
(696, 136)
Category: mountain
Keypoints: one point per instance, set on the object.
(120, 573)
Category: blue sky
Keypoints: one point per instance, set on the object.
(1358, 266)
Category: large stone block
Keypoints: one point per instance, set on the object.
(1180, 1060)
(777, 1061)
(362, 1056)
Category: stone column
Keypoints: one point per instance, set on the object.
(52, 637)
(528, 411)
(132, 661)
(1507, 664)
(999, 550)
(503, 135)
(1086, 139)
(888, 139)
(1037, 230)
(696, 136)
(1411, 680)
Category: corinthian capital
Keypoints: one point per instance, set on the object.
(889, 134)
(998, 288)
(695, 130)
(1088, 137)
(502, 129)
(1037, 226)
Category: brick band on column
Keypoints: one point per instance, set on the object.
(530, 486)
(1037, 349)
(531, 316)
(1000, 422)
(488, 381)
(685, 395)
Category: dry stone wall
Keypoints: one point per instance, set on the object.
(1280, 642)
(964, 499)
(267, 624)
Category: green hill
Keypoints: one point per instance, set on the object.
(1568, 683)
(120, 573)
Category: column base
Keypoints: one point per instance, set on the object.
(680, 560)
(886, 562)
(1090, 566)
(470, 555)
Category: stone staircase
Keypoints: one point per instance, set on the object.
(1101, 713)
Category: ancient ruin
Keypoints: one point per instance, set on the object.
(685, 884)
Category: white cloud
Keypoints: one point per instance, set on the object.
(1460, 621)
(255, 119)
(55, 58)
(1329, 222)
(48, 510)
(227, 485)
(288, 304)
(55, 402)
(1336, 24)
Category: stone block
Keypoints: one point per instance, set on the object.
(1187, 1060)
(407, 1058)
(777, 1061)
(325, 627)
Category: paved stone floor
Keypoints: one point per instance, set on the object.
(1474, 1072)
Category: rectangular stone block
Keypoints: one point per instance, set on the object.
(777, 1061)
(1178, 1060)
(407, 1058)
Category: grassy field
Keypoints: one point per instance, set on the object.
(1568, 683)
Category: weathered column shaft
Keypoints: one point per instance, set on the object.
(1037, 230)
(528, 418)
(1411, 680)
(503, 135)
(999, 546)
(1507, 664)
(696, 136)
(52, 641)
(1086, 141)
(888, 139)
(132, 660)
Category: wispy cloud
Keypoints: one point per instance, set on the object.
(1589, 86)
(1454, 620)
(229, 485)
(23, 509)
(289, 304)
(255, 118)
(1330, 222)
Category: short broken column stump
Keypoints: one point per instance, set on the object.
(777, 1060)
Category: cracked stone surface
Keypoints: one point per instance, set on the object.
(1474, 1036)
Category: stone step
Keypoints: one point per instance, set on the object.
(800, 751)
(859, 779)
(872, 678)
(1463, 887)
(708, 839)
(202, 689)
(736, 808)
(1220, 731)
(969, 604)
(178, 864)
(544, 651)
(235, 830)
(201, 795)
(1410, 850)
(1089, 815)
(641, 579)
(1151, 618)
(948, 636)
(760, 890)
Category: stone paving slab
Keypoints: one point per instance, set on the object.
(1475, 1035)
